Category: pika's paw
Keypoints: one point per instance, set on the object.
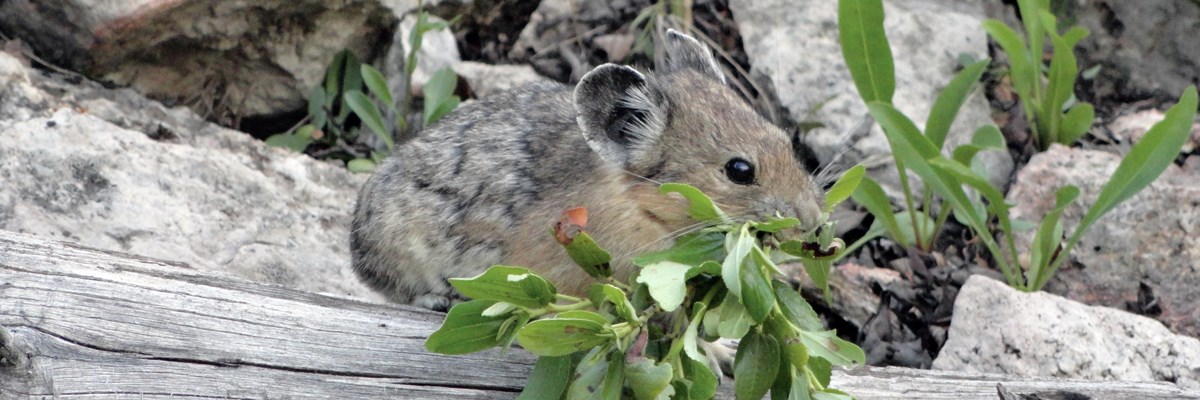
(720, 355)
(433, 302)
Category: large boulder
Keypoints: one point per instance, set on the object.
(998, 329)
(111, 169)
(229, 58)
(795, 45)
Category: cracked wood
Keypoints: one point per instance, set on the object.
(77, 322)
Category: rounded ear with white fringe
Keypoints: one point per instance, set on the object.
(621, 114)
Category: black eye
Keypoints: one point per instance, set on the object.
(740, 171)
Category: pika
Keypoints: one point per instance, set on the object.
(484, 185)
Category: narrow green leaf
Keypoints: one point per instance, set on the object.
(1061, 86)
(548, 380)
(377, 84)
(1050, 233)
(755, 366)
(334, 73)
(466, 330)
(989, 137)
(701, 207)
(648, 379)
(865, 49)
(691, 334)
(737, 248)
(582, 314)
(1076, 123)
(832, 348)
(871, 196)
(1074, 35)
(351, 74)
(561, 336)
(599, 375)
(667, 281)
(1021, 67)
(440, 110)
(757, 294)
(1148, 158)
(950, 101)
(369, 114)
(774, 224)
(844, 187)
(515, 285)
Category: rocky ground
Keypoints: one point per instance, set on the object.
(137, 126)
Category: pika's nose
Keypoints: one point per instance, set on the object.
(808, 215)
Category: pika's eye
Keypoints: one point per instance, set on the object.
(740, 171)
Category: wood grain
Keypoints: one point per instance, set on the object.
(83, 323)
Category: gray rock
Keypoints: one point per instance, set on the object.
(795, 45)
(1132, 127)
(486, 79)
(998, 329)
(77, 168)
(1146, 49)
(1152, 238)
(230, 59)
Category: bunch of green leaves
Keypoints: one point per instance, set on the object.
(650, 19)
(963, 189)
(869, 58)
(351, 86)
(1047, 94)
(642, 339)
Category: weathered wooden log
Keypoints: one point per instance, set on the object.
(77, 322)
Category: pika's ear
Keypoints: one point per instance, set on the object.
(621, 114)
(685, 52)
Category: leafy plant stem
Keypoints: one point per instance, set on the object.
(908, 201)
(939, 224)
(582, 304)
(926, 207)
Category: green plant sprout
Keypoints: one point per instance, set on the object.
(870, 62)
(1047, 95)
(330, 104)
(641, 339)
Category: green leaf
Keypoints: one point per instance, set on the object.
(691, 249)
(439, 95)
(1076, 123)
(561, 336)
(866, 50)
(755, 366)
(1074, 35)
(737, 247)
(1031, 15)
(377, 84)
(589, 256)
(1148, 158)
(334, 73)
(369, 114)
(923, 222)
(774, 224)
(831, 394)
(735, 321)
(1021, 67)
(548, 380)
(1144, 163)
(757, 294)
(515, 285)
(701, 207)
(316, 106)
(821, 369)
(948, 103)
(649, 381)
(989, 137)
(602, 292)
(844, 187)
(582, 314)
(289, 141)
(1050, 232)
(599, 375)
(832, 348)
(781, 387)
(361, 166)
(466, 330)
(1061, 86)
(818, 271)
(692, 332)
(871, 196)
(704, 381)
(667, 281)
(795, 309)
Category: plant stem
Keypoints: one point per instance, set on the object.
(569, 307)
(908, 201)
